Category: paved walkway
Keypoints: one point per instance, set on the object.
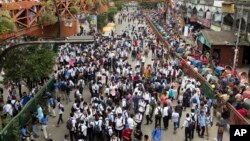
(57, 133)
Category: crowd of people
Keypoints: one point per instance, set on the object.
(130, 77)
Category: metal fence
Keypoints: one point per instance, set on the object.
(11, 132)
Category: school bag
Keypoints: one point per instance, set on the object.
(69, 124)
(96, 127)
(190, 124)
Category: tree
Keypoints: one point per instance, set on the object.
(48, 16)
(111, 13)
(28, 64)
(7, 24)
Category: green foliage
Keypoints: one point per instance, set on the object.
(48, 17)
(119, 4)
(99, 2)
(148, 4)
(6, 120)
(28, 64)
(90, 3)
(88, 19)
(7, 25)
(49, 5)
(111, 13)
(5, 13)
(101, 20)
(74, 9)
(74, 2)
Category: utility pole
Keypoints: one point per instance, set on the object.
(236, 3)
(237, 42)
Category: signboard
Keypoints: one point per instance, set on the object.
(218, 3)
(215, 28)
(227, 8)
(186, 31)
(194, 1)
(217, 17)
(93, 22)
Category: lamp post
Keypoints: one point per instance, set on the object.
(237, 42)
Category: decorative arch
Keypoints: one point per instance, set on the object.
(243, 23)
(228, 20)
(195, 11)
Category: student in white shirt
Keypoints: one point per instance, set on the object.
(175, 119)
(119, 124)
(165, 116)
(138, 119)
(130, 122)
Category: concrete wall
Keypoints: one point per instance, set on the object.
(51, 30)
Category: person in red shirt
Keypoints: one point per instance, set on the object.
(241, 111)
(126, 134)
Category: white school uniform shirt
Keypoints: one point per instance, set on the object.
(165, 111)
(175, 117)
(119, 123)
(138, 118)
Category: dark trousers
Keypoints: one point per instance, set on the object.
(89, 134)
(72, 135)
(138, 125)
(187, 134)
(165, 122)
(148, 119)
(201, 133)
(192, 133)
(157, 121)
(59, 119)
(97, 136)
(119, 133)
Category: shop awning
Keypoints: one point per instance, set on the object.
(203, 40)
(111, 25)
(107, 29)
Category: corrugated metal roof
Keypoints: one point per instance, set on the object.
(219, 37)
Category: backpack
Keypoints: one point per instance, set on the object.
(194, 100)
(69, 124)
(170, 111)
(96, 128)
(159, 114)
(15, 111)
(152, 103)
(190, 124)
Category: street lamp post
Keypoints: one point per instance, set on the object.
(237, 42)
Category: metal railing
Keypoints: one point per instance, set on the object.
(235, 117)
(11, 132)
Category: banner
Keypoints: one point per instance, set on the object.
(208, 15)
(93, 22)
(217, 17)
(218, 3)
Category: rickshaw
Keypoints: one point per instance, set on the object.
(218, 70)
